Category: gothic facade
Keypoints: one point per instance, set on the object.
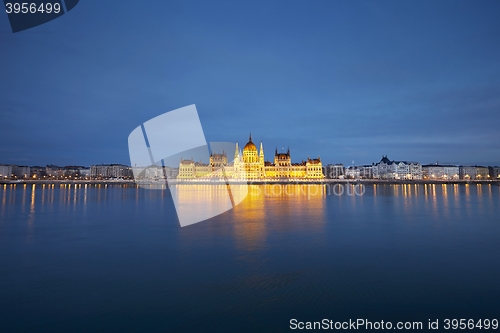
(251, 165)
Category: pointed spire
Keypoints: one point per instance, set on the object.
(236, 151)
(250, 139)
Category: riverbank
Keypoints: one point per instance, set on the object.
(50, 182)
(284, 182)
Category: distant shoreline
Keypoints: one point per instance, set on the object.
(233, 182)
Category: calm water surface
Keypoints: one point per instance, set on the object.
(113, 258)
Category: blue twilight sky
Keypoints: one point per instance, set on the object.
(347, 80)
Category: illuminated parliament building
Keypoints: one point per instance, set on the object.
(251, 165)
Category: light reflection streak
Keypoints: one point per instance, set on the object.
(490, 196)
(468, 201)
(52, 197)
(434, 199)
(136, 195)
(4, 199)
(43, 197)
(456, 197)
(31, 217)
(85, 198)
(12, 196)
(61, 195)
(74, 196)
(479, 194)
(68, 193)
(24, 197)
(444, 191)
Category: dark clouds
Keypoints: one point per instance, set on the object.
(417, 81)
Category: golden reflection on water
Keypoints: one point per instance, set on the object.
(198, 202)
(43, 195)
(52, 196)
(68, 193)
(444, 191)
(4, 199)
(290, 207)
(480, 201)
(433, 198)
(85, 197)
(24, 196)
(31, 218)
(251, 233)
(74, 195)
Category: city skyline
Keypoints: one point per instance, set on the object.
(416, 81)
(277, 150)
(250, 162)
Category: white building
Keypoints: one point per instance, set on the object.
(352, 172)
(106, 171)
(155, 172)
(54, 171)
(37, 172)
(5, 171)
(21, 171)
(474, 172)
(84, 172)
(366, 171)
(387, 169)
(441, 172)
(494, 172)
(334, 171)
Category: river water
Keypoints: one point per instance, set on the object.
(85, 258)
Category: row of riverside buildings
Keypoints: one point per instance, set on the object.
(407, 170)
(282, 168)
(96, 172)
(250, 164)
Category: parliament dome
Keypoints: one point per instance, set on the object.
(250, 146)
